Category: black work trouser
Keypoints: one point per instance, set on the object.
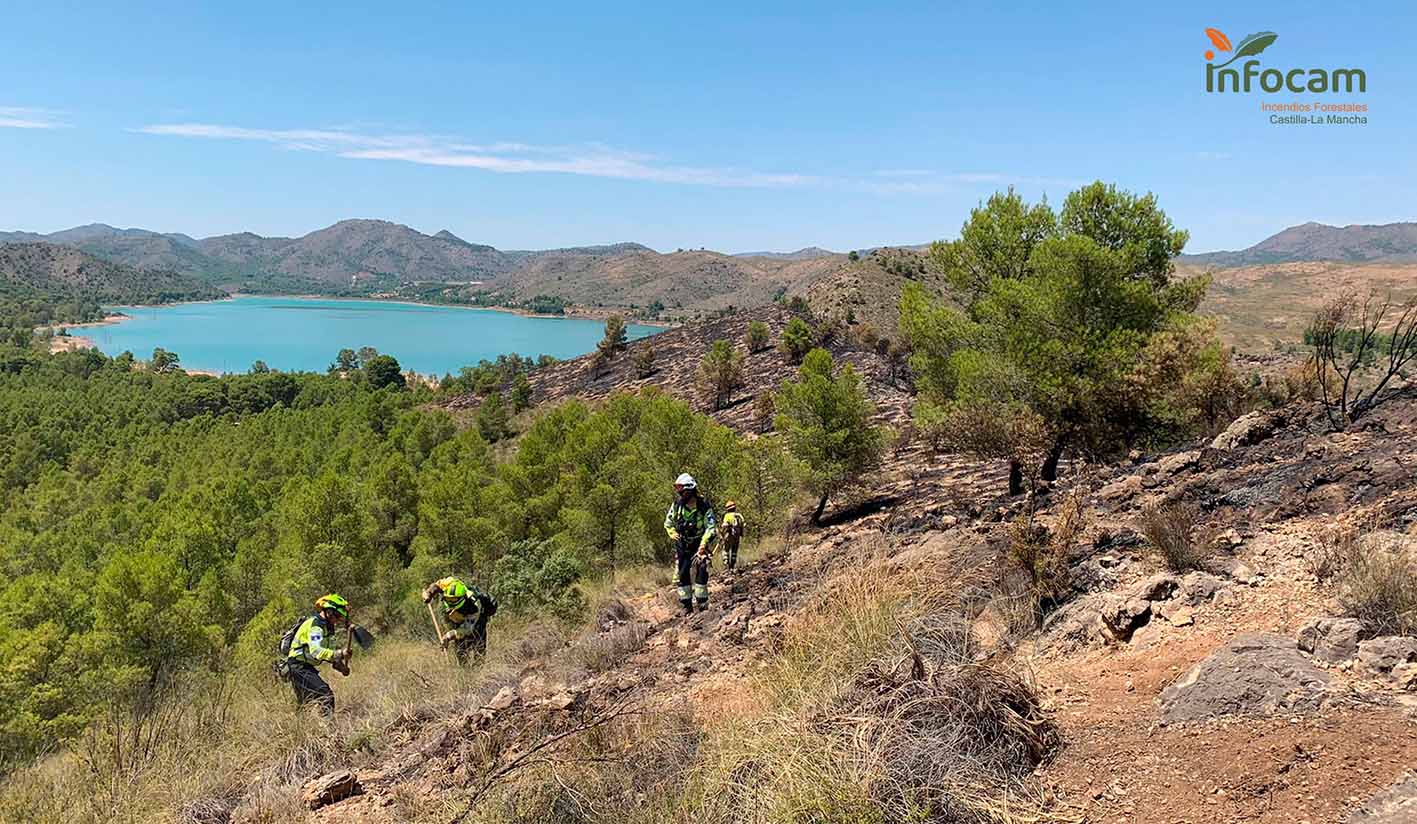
(474, 645)
(693, 576)
(310, 687)
(730, 551)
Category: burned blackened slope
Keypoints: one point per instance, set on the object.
(678, 353)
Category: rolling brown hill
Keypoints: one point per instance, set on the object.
(380, 257)
(1320, 242)
(365, 249)
(1263, 307)
(58, 271)
(687, 282)
(805, 253)
(677, 355)
(377, 256)
(138, 248)
(867, 291)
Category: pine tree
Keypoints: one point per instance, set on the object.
(720, 374)
(758, 334)
(796, 340)
(826, 420)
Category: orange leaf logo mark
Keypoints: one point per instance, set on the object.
(1219, 39)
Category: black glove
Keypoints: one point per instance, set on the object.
(341, 665)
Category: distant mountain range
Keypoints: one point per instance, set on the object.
(361, 257)
(377, 257)
(1391, 242)
(347, 254)
(808, 253)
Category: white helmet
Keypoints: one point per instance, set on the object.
(686, 480)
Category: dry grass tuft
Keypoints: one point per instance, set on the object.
(1044, 552)
(1172, 530)
(1377, 582)
(1333, 552)
(632, 769)
(605, 650)
(237, 746)
(938, 736)
(877, 712)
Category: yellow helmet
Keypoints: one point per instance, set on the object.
(454, 590)
(334, 603)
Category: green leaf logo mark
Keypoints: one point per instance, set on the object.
(1251, 46)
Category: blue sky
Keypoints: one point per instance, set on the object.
(726, 126)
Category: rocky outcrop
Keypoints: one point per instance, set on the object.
(1112, 618)
(1201, 587)
(330, 789)
(1233, 568)
(734, 626)
(1380, 656)
(1330, 640)
(1246, 430)
(1256, 674)
(1395, 805)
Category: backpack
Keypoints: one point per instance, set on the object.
(281, 666)
(734, 527)
(485, 602)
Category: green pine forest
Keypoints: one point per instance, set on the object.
(158, 524)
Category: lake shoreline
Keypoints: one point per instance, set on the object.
(218, 336)
(572, 313)
(70, 343)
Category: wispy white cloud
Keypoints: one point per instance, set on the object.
(933, 183)
(19, 117)
(590, 160)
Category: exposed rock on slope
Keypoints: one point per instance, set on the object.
(677, 355)
(1256, 674)
(1395, 805)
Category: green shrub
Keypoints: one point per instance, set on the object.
(720, 374)
(493, 418)
(644, 360)
(536, 576)
(796, 340)
(758, 335)
(1075, 316)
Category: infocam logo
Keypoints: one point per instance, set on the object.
(1219, 79)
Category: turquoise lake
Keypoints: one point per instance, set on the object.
(305, 334)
